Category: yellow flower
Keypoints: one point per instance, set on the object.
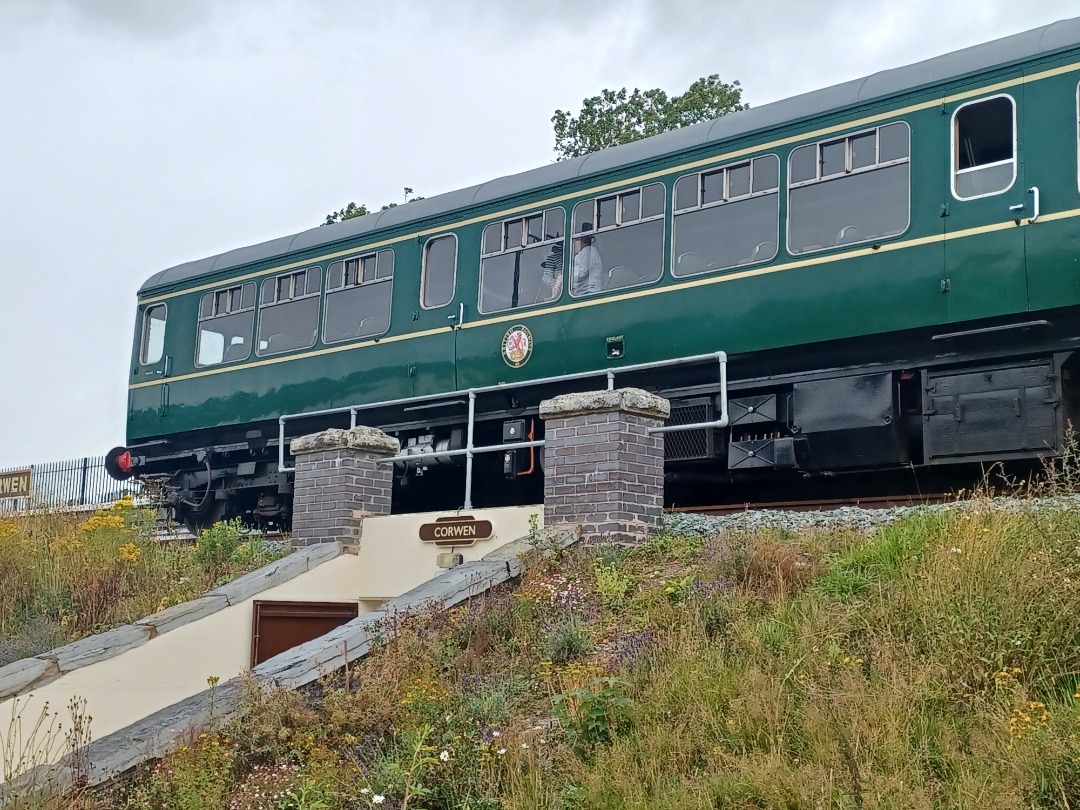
(130, 553)
(102, 520)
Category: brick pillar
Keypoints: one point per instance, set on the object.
(337, 477)
(603, 470)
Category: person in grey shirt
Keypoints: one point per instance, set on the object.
(588, 272)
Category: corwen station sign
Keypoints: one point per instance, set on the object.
(15, 484)
(463, 530)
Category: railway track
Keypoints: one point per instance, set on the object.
(818, 505)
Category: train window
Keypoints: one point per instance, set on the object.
(289, 311)
(152, 346)
(439, 274)
(850, 190)
(226, 320)
(358, 294)
(514, 275)
(984, 147)
(736, 222)
(618, 240)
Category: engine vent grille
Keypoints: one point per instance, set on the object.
(689, 444)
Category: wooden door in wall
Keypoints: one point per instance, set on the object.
(280, 626)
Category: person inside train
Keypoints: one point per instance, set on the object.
(588, 272)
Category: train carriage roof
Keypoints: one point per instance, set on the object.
(1000, 52)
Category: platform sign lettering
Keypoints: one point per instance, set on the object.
(460, 530)
(15, 484)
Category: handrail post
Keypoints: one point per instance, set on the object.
(281, 443)
(469, 450)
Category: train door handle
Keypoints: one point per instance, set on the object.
(1034, 192)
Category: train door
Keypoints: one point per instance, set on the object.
(432, 367)
(986, 202)
(148, 399)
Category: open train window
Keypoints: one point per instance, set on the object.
(439, 273)
(849, 190)
(618, 240)
(358, 293)
(152, 344)
(522, 262)
(226, 319)
(727, 217)
(984, 147)
(289, 311)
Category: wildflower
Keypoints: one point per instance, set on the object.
(956, 550)
(524, 746)
(501, 751)
(378, 799)
(444, 755)
(365, 791)
(130, 553)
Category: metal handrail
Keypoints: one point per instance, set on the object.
(469, 451)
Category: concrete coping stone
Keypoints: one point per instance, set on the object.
(626, 400)
(368, 439)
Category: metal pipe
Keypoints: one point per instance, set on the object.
(469, 450)
(609, 373)
(352, 418)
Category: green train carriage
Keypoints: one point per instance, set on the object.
(890, 264)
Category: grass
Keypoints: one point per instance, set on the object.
(64, 576)
(932, 665)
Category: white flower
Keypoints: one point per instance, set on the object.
(365, 791)
(444, 756)
(524, 746)
(494, 734)
(377, 799)
(956, 550)
(501, 751)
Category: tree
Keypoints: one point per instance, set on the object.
(616, 117)
(353, 210)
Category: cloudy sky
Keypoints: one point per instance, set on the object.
(138, 134)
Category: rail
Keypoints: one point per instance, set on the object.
(470, 450)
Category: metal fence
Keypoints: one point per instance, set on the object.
(78, 483)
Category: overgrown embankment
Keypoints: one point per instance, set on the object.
(64, 576)
(933, 664)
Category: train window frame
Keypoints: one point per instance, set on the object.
(213, 296)
(424, 270)
(615, 198)
(726, 200)
(1077, 117)
(345, 286)
(954, 153)
(310, 272)
(147, 338)
(848, 171)
(506, 249)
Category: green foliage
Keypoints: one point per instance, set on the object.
(595, 714)
(217, 544)
(353, 210)
(616, 116)
(64, 576)
(613, 585)
(740, 672)
(569, 639)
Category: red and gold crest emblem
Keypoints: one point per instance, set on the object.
(517, 346)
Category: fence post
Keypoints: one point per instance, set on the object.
(82, 486)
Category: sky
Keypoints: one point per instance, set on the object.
(139, 134)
